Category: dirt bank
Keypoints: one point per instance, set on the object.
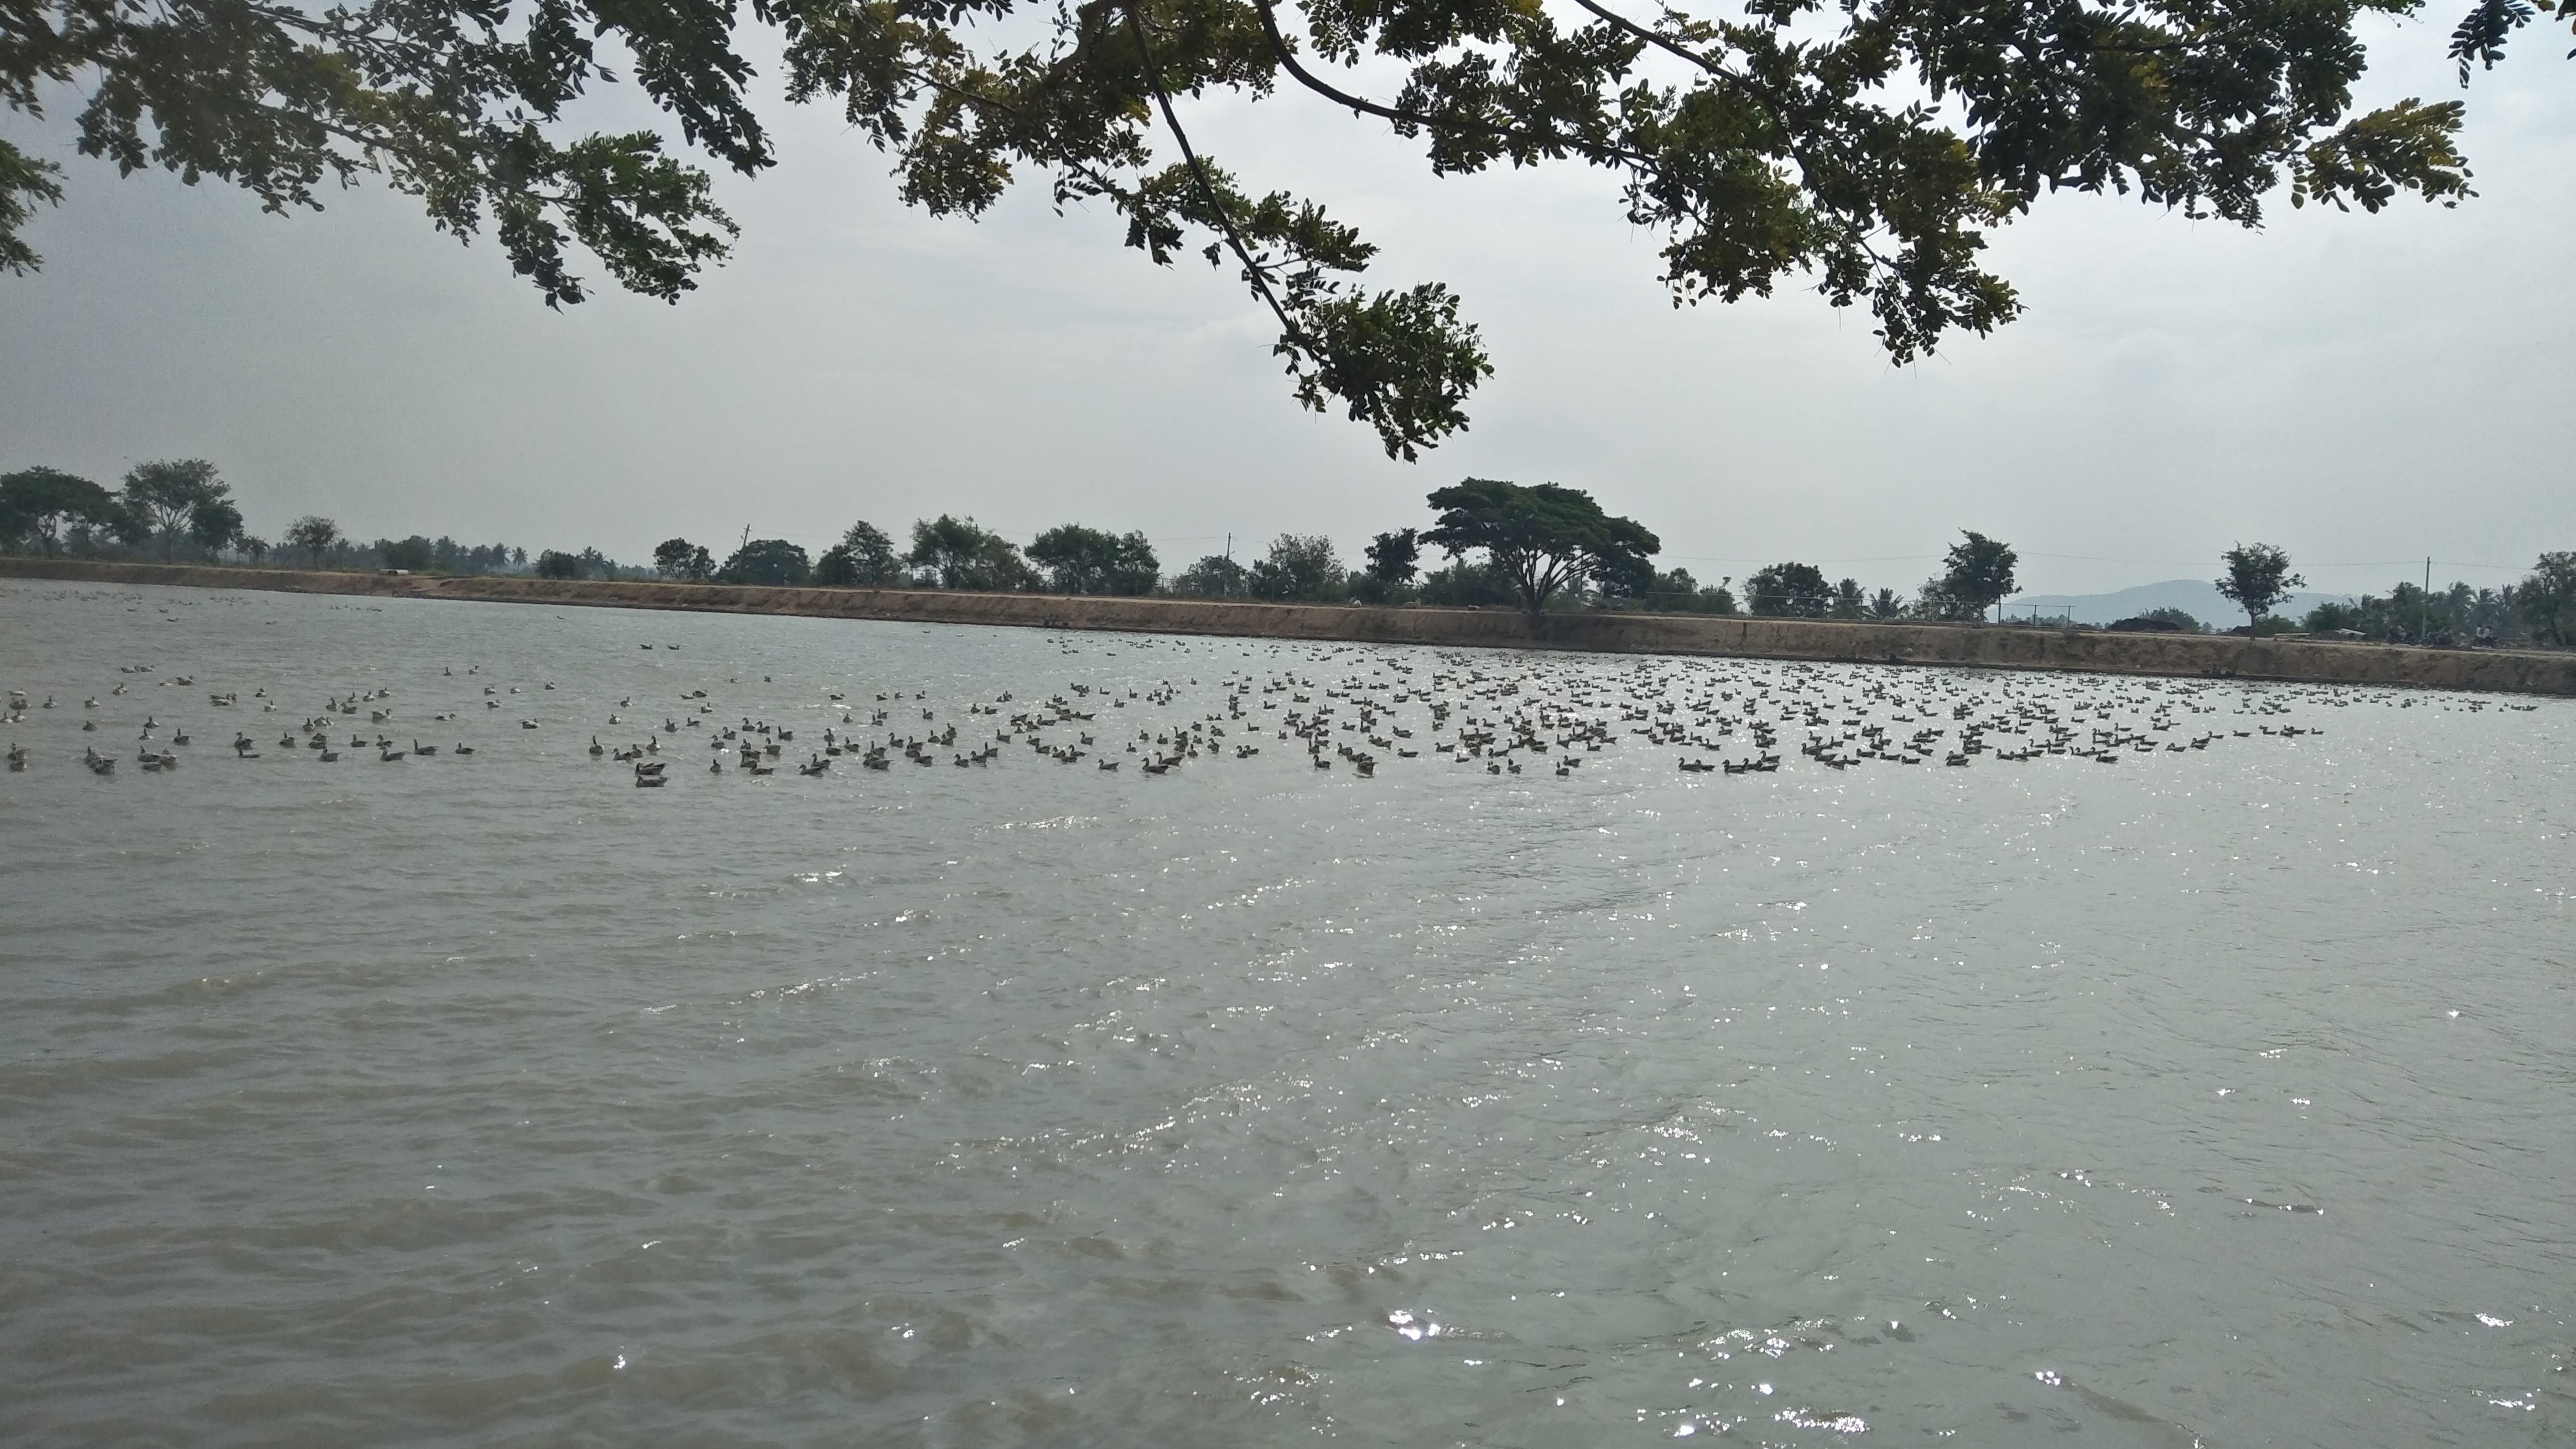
(2189, 655)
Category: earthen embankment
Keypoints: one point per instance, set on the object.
(2018, 647)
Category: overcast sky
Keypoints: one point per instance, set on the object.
(2361, 390)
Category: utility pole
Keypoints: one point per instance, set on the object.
(2424, 609)
(1229, 548)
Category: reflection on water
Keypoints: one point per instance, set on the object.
(2217, 1094)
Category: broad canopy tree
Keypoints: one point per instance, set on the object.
(1080, 560)
(37, 502)
(314, 534)
(766, 561)
(1543, 538)
(2258, 576)
(166, 497)
(1868, 149)
(962, 554)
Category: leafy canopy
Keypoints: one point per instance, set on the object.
(36, 502)
(1213, 577)
(164, 497)
(1394, 558)
(1790, 590)
(2546, 599)
(1978, 571)
(1866, 148)
(1543, 538)
(314, 534)
(962, 554)
(684, 561)
(2258, 576)
(1081, 560)
(216, 524)
(766, 561)
(864, 556)
(1299, 566)
(1676, 592)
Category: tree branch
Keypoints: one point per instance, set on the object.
(1216, 203)
(1859, 236)
(1289, 63)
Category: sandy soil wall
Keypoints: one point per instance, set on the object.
(2198, 656)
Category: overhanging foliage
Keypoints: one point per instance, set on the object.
(1867, 148)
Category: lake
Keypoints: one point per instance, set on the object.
(2189, 1064)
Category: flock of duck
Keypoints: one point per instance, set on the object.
(1360, 708)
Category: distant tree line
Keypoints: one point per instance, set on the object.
(1539, 548)
(181, 510)
(165, 509)
(2539, 610)
(1535, 547)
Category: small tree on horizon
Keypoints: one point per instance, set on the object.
(871, 554)
(1789, 590)
(1394, 558)
(1978, 571)
(1081, 560)
(163, 497)
(314, 534)
(772, 561)
(1299, 566)
(684, 561)
(2258, 576)
(964, 555)
(1213, 577)
(835, 569)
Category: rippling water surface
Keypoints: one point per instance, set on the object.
(2217, 1096)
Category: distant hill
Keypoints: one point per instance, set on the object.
(2196, 597)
